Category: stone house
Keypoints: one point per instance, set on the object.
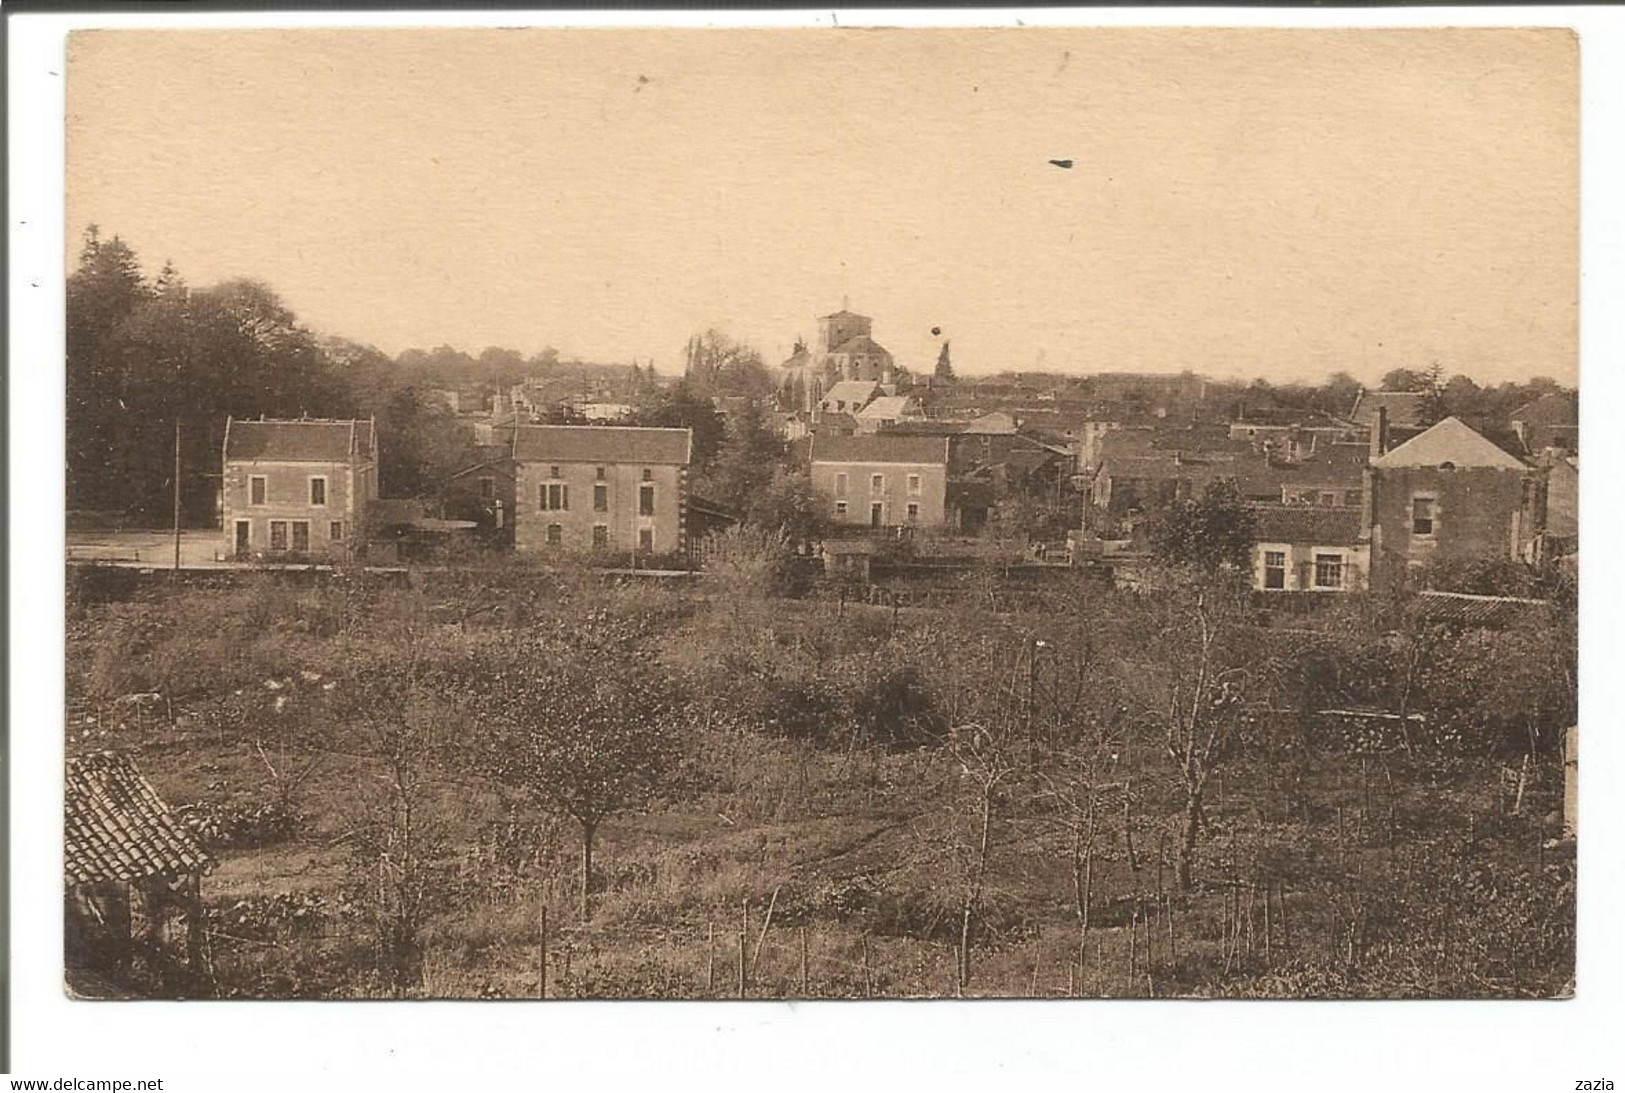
(1449, 494)
(883, 481)
(1302, 549)
(297, 487)
(600, 489)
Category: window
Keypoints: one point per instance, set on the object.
(1328, 571)
(648, 475)
(488, 489)
(600, 498)
(301, 536)
(256, 489)
(600, 536)
(877, 483)
(646, 499)
(600, 474)
(840, 484)
(646, 540)
(840, 508)
(914, 484)
(279, 535)
(554, 497)
(555, 534)
(553, 472)
(1422, 515)
(1328, 499)
(335, 530)
(318, 490)
(913, 512)
(1351, 498)
(1275, 569)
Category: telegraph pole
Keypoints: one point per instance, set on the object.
(177, 495)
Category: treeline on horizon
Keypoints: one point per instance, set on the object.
(144, 353)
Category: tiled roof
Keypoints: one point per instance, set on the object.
(117, 828)
(880, 448)
(1470, 610)
(1450, 441)
(1404, 407)
(314, 441)
(1306, 525)
(601, 444)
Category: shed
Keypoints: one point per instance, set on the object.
(130, 868)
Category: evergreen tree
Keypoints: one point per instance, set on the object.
(945, 367)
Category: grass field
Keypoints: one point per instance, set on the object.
(818, 864)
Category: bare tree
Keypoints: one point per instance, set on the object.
(586, 730)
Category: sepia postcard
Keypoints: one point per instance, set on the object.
(824, 513)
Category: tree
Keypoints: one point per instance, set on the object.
(1207, 684)
(1434, 405)
(789, 505)
(682, 406)
(750, 453)
(945, 368)
(1404, 379)
(1215, 532)
(718, 365)
(584, 726)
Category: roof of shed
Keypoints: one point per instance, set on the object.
(601, 444)
(117, 828)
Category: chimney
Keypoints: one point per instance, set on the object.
(1379, 433)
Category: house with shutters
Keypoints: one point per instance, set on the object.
(599, 488)
(293, 488)
(1298, 548)
(880, 481)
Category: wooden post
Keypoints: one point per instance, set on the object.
(803, 931)
(1269, 933)
(541, 964)
(1133, 944)
(868, 982)
(566, 974)
(1286, 922)
(1071, 980)
(744, 925)
(756, 954)
(1168, 910)
(1523, 778)
(710, 957)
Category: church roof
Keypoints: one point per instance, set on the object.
(843, 314)
(1404, 407)
(1450, 441)
(862, 343)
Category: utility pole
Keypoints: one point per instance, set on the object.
(177, 495)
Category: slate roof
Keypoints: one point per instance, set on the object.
(117, 828)
(1491, 612)
(855, 393)
(887, 407)
(880, 448)
(1303, 524)
(1555, 409)
(1450, 441)
(601, 444)
(299, 441)
(862, 343)
(1404, 407)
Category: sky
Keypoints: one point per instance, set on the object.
(1241, 203)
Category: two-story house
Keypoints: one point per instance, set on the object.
(883, 481)
(1450, 494)
(297, 487)
(600, 488)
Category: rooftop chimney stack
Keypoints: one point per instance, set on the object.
(1379, 433)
